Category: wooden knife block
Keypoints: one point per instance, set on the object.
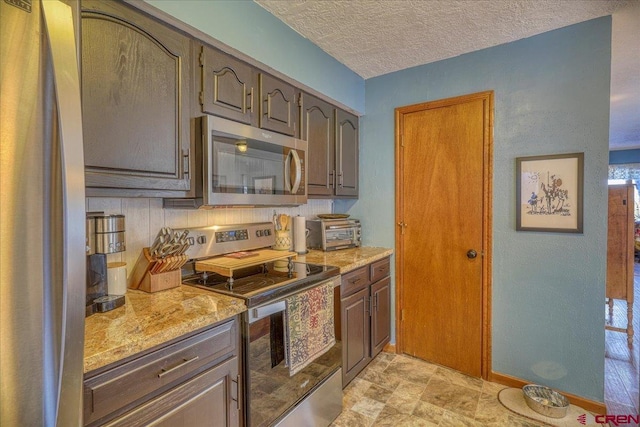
(141, 278)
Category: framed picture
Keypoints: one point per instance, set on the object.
(264, 184)
(549, 193)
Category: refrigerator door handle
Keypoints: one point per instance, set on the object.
(59, 26)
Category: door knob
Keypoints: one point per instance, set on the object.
(471, 254)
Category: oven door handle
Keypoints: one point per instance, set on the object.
(262, 312)
(340, 227)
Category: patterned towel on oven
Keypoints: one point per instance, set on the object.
(309, 326)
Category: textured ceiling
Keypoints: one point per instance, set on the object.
(375, 37)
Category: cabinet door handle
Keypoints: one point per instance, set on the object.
(178, 366)
(331, 179)
(340, 177)
(250, 95)
(375, 302)
(236, 385)
(186, 156)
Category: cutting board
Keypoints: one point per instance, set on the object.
(225, 266)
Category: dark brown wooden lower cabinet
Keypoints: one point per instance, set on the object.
(380, 315)
(356, 334)
(365, 316)
(192, 382)
(210, 399)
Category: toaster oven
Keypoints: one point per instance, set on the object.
(333, 234)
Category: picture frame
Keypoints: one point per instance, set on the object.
(264, 184)
(549, 193)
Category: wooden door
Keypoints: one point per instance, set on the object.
(443, 210)
(355, 334)
(318, 130)
(136, 102)
(346, 154)
(380, 315)
(228, 86)
(278, 105)
(620, 241)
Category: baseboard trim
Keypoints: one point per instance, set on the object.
(389, 348)
(589, 405)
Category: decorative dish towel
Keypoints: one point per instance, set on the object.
(309, 326)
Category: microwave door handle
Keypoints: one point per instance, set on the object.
(298, 166)
(287, 170)
(292, 188)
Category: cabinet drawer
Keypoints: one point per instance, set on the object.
(131, 381)
(206, 400)
(354, 281)
(379, 269)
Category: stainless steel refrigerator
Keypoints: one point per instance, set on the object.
(42, 209)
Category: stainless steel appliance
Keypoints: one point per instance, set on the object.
(42, 216)
(105, 234)
(246, 166)
(312, 396)
(333, 234)
(110, 234)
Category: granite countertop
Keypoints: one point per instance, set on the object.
(150, 319)
(346, 259)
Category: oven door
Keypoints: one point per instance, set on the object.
(244, 165)
(272, 391)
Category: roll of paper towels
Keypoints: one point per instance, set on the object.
(117, 278)
(300, 234)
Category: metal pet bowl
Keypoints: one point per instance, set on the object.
(545, 401)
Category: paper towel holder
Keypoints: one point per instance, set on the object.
(300, 239)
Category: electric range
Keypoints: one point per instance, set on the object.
(273, 397)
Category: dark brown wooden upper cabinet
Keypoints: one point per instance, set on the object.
(136, 97)
(346, 154)
(318, 129)
(227, 87)
(278, 105)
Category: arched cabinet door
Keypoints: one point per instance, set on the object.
(136, 103)
(318, 129)
(346, 154)
(228, 86)
(278, 105)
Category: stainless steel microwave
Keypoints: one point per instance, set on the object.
(246, 166)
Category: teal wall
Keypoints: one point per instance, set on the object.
(551, 96)
(249, 28)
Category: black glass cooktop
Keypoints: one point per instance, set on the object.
(264, 282)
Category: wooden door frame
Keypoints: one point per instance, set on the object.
(487, 213)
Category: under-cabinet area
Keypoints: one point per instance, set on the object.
(145, 83)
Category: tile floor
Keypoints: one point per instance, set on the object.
(398, 390)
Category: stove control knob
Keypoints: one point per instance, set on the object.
(259, 233)
(267, 232)
(202, 240)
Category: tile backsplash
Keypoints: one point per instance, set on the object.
(144, 217)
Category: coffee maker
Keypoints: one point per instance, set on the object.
(105, 234)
